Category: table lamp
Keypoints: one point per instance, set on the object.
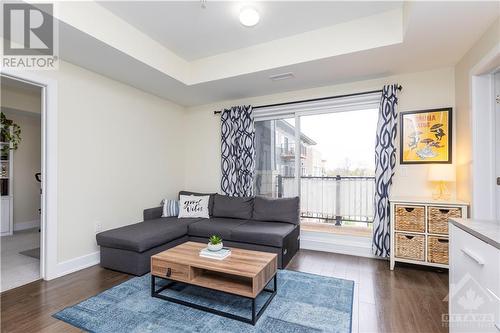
(442, 174)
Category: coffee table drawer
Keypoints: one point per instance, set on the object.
(170, 270)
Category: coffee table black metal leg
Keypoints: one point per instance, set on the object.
(264, 307)
(155, 292)
(153, 282)
(253, 311)
(255, 315)
(275, 285)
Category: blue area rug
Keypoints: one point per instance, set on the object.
(304, 303)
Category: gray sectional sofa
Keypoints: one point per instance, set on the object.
(253, 223)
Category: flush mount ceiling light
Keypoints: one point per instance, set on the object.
(249, 17)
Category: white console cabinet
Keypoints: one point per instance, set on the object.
(419, 230)
(474, 299)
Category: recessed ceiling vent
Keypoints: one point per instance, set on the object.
(282, 76)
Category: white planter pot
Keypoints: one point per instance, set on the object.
(216, 247)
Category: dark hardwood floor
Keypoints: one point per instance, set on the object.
(405, 300)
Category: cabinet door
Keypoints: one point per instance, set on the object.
(5, 217)
(437, 218)
(409, 218)
(474, 283)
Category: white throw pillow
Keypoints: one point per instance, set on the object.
(193, 206)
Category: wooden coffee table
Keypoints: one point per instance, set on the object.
(244, 273)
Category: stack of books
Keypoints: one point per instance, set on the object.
(219, 255)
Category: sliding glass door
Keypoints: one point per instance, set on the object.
(337, 183)
(327, 158)
(275, 174)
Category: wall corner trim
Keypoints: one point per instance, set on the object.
(75, 264)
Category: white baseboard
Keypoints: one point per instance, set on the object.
(18, 226)
(336, 243)
(75, 264)
(317, 241)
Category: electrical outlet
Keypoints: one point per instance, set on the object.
(98, 227)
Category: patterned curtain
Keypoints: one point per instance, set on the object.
(238, 151)
(385, 162)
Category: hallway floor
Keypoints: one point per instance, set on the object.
(17, 269)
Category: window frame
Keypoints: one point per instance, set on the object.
(346, 103)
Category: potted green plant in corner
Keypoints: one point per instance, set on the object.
(215, 243)
(10, 133)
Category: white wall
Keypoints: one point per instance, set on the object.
(422, 90)
(20, 99)
(118, 153)
(489, 40)
(121, 150)
(27, 162)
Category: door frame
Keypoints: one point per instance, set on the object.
(496, 92)
(49, 197)
(483, 168)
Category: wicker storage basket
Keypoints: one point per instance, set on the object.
(437, 250)
(410, 218)
(410, 246)
(437, 219)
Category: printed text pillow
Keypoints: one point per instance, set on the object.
(193, 206)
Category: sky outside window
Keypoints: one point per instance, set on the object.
(345, 140)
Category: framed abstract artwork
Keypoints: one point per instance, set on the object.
(426, 136)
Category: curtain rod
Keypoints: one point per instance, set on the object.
(316, 99)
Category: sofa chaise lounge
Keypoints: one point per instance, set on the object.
(253, 223)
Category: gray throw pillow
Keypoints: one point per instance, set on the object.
(277, 210)
(233, 207)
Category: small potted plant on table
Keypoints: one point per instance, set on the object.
(215, 243)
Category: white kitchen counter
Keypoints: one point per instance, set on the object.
(474, 299)
(487, 231)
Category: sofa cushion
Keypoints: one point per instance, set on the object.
(233, 207)
(152, 213)
(210, 200)
(276, 210)
(214, 226)
(143, 236)
(262, 233)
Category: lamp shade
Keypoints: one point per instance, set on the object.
(442, 173)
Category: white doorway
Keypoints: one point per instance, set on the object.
(485, 132)
(21, 162)
(49, 268)
(497, 141)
